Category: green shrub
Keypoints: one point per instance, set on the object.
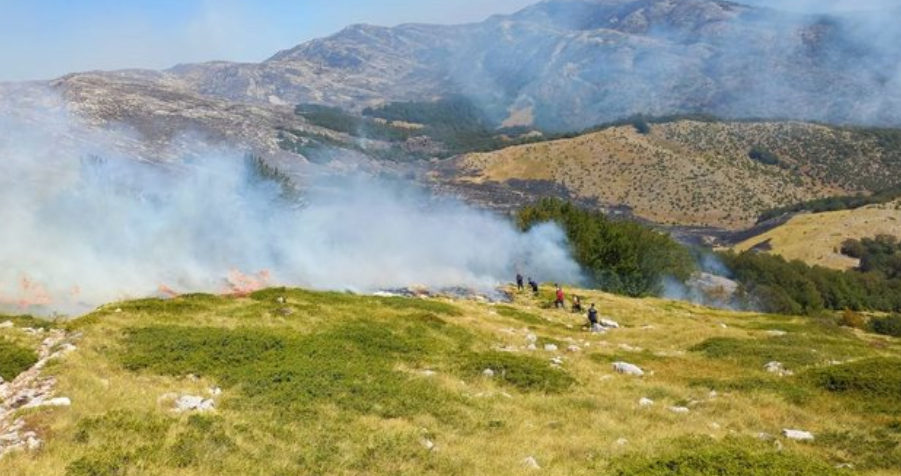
(889, 325)
(351, 365)
(14, 359)
(865, 448)
(700, 456)
(758, 353)
(873, 384)
(621, 257)
(764, 156)
(528, 374)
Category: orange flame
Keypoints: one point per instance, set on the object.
(240, 284)
(30, 294)
(167, 291)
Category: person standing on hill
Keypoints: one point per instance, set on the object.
(519, 284)
(534, 286)
(592, 316)
(559, 302)
(577, 304)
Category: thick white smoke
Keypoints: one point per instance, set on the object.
(78, 230)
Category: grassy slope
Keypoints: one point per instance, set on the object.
(815, 238)
(336, 387)
(697, 173)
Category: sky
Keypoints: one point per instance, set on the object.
(43, 39)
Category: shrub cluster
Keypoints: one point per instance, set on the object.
(14, 359)
(773, 284)
(622, 257)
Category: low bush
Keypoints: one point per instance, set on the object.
(874, 384)
(14, 359)
(866, 448)
(854, 320)
(700, 456)
(759, 352)
(889, 325)
(527, 374)
(351, 365)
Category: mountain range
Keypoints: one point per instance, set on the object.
(559, 65)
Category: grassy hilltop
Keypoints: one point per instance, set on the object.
(328, 383)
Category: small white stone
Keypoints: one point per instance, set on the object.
(6, 325)
(550, 347)
(488, 373)
(798, 435)
(645, 402)
(428, 444)
(776, 333)
(531, 347)
(628, 369)
(57, 402)
(190, 403)
(609, 323)
(622, 442)
(530, 462)
(574, 348)
(428, 373)
(215, 391)
(679, 410)
(531, 338)
(32, 443)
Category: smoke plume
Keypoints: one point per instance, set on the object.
(84, 224)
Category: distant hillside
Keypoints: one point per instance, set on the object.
(817, 238)
(570, 64)
(696, 173)
(563, 65)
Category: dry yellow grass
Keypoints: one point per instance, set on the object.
(817, 238)
(691, 173)
(578, 432)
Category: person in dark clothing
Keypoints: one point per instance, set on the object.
(534, 286)
(577, 304)
(559, 301)
(592, 316)
(519, 284)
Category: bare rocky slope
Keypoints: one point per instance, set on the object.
(569, 64)
(558, 65)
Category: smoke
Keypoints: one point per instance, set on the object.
(84, 224)
(711, 286)
(583, 62)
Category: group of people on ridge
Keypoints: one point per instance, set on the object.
(559, 298)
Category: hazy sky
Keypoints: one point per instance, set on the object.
(47, 38)
(42, 39)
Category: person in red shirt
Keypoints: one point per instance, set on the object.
(559, 302)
